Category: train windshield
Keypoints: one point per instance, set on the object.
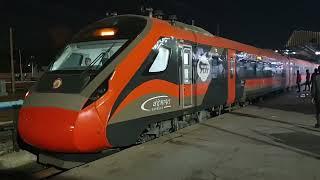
(86, 55)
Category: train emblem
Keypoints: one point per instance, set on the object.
(57, 83)
(203, 68)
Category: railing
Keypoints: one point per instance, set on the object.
(20, 85)
(12, 125)
(10, 104)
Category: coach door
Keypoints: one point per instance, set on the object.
(186, 77)
(231, 76)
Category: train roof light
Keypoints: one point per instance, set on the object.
(106, 32)
(317, 52)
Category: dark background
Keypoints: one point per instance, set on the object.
(42, 27)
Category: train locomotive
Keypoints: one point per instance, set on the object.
(128, 79)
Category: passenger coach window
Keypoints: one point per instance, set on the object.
(247, 66)
(161, 61)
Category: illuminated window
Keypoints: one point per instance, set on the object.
(161, 61)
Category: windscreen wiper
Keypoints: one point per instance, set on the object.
(96, 59)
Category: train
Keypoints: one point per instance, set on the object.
(127, 79)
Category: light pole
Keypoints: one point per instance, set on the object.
(32, 66)
(20, 64)
(13, 88)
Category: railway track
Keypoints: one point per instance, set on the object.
(6, 126)
(47, 173)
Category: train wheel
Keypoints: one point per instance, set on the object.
(145, 138)
(244, 104)
(175, 124)
(202, 116)
(220, 109)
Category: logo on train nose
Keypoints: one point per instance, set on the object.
(57, 83)
(203, 68)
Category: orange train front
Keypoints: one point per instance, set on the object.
(128, 79)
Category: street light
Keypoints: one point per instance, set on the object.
(32, 66)
(13, 87)
(20, 66)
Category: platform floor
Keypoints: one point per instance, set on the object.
(271, 140)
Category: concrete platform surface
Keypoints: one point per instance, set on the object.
(265, 141)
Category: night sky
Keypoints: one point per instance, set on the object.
(42, 27)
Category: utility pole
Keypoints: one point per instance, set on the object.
(32, 66)
(13, 88)
(32, 70)
(20, 64)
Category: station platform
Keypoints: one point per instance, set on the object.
(274, 139)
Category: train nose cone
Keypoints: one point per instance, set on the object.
(62, 130)
(48, 128)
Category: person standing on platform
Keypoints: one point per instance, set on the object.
(315, 72)
(315, 93)
(298, 80)
(307, 84)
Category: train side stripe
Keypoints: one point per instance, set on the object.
(157, 86)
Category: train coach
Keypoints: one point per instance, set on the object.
(128, 79)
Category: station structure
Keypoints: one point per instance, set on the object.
(304, 45)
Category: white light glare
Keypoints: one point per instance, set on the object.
(317, 52)
(107, 33)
